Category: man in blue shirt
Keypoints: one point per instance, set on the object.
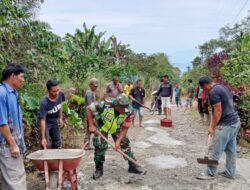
(12, 146)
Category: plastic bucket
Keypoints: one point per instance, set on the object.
(166, 122)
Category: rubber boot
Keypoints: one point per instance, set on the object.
(134, 168)
(98, 172)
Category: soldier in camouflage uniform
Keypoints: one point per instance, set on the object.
(111, 116)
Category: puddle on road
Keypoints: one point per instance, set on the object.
(142, 144)
(162, 137)
(152, 122)
(166, 162)
(164, 140)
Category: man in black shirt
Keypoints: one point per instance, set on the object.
(224, 127)
(166, 92)
(138, 94)
(50, 115)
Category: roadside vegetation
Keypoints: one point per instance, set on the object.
(72, 59)
(227, 60)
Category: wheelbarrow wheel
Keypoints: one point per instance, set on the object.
(53, 181)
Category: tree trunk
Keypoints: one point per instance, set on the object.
(117, 54)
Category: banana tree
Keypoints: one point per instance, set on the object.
(86, 51)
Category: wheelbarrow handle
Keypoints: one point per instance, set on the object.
(84, 145)
(119, 150)
(46, 171)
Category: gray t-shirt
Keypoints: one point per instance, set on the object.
(191, 91)
(51, 110)
(89, 97)
(220, 93)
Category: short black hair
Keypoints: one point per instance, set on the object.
(205, 80)
(190, 80)
(139, 80)
(165, 76)
(12, 68)
(51, 83)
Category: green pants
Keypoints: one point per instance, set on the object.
(101, 146)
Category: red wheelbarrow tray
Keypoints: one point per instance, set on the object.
(71, 158)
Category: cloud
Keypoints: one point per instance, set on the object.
(172, 26)
(95, 18)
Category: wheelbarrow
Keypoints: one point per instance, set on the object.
(61, 161)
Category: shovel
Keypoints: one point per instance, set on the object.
(119, 151)
(206, 160)
(150, 110)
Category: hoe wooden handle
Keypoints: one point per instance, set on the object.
(208, 144)
(119, 150)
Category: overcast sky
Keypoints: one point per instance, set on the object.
(175, 27)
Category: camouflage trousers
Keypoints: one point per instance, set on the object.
(101, 146)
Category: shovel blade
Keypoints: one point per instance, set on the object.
(207, 161)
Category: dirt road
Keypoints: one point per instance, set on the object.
(169, 154)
